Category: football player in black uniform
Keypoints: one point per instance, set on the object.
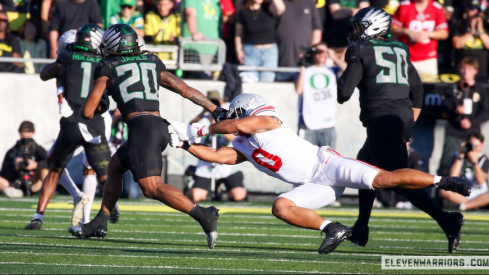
(133, 78)
(74, 67)
(391, 95)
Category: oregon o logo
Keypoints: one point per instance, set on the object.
(319, 81)
(209, 9)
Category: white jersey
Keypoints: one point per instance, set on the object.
(281, 154)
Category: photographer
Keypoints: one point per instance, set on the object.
(466, 106)
(24, 166)
(316, 87)
(470, 163)
(470, 38)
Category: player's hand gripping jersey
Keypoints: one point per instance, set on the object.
(133, 81)
(383, 73)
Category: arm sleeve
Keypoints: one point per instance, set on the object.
(160, 67)
(55, 22)
(349, 79)
(316, 19)
(415, 87)
(102, 69)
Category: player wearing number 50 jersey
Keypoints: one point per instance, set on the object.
(319, 174)
(133, 78)
(391, 96)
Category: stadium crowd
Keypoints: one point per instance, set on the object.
(443, 37)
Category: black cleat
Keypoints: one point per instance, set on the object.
(114, 215)
(96, 228)
(458, 185)
(336, 233)
(207, 217)
(359, 234)
(35, 224)
(452, 226)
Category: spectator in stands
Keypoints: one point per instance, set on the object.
(228, 29)
(467, 106)
(470, 163)
(298, 29)
(255, 36)
(71, 15)
(316, 87)
(420, 24)
(24, 166)
(130, 16)
(33, 46)
(339, 13)
(470, 38)
(107, 9)
(162, 27)
(202, 20)
(223, 174)
(9, 46)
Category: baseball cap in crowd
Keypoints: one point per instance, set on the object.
(473, 4)
(127, 3)
(215, 97)
(26, 126)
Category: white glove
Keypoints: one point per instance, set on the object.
(198, 130)
(175, 140)
(64, 108)
(181, 130)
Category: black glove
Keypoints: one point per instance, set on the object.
(103, 105)
(219, 114)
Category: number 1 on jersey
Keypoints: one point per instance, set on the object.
(397, 72)
(86, 79)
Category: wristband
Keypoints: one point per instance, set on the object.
(185, 145)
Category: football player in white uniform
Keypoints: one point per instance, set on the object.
(319, 174)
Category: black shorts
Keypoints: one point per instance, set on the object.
(89, 133)
(233, 181)
(141, 153)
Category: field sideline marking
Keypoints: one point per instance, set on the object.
(224, 210)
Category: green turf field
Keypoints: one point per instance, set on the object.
(151, 238)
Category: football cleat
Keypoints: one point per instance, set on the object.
(35, 224)
(458, 185)
(114, 215)
(79, 204)
(359, 234)
(81, 232)
(207, 217)
(452, 227)
(336, 233)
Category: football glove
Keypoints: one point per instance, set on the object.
(64, 108)
(181, 130)
(219, 114)
(175, 140)
(103, 105)
(198, 130)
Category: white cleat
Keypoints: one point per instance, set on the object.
(77, 215)
(211, 239)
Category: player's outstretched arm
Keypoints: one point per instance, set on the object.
(94, 97)
(176, 85)
(51, 71)
(224, 155)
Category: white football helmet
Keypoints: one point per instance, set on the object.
(66, 38)
(245, 105)
(370, 23)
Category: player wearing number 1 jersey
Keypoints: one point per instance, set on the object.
(391, 97)
(74, 67)
(133, 78)
(319, 174)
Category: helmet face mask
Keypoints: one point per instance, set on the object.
(243, 105)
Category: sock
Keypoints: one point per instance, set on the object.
(462, 207)
(436, 181)
(196, 212)
(365, 199)
(38, 216)
(323, 225)
(420, 199)
(70, 186)
(89, 188)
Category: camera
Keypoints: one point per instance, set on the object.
(27, 151)
(467, 148)
(308, 58)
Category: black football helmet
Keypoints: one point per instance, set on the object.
(88, 38)
(119, 38)
(370, 23)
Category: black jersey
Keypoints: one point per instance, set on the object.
(133, 81)
(388, 82)
(76, 75)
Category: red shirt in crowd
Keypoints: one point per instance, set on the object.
(432, 18)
